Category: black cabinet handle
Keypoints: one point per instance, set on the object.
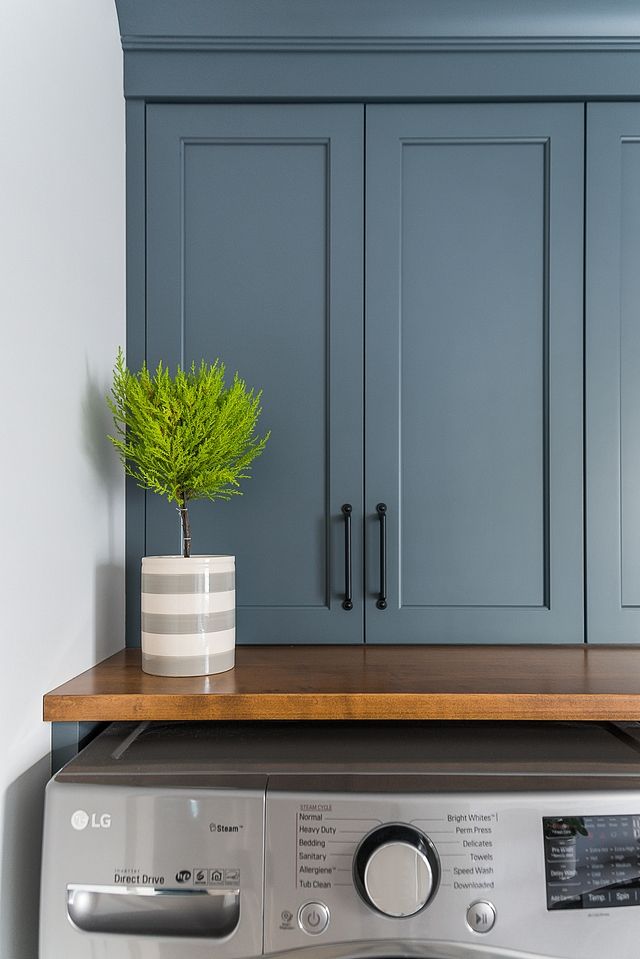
(347, 602)
(381, 510)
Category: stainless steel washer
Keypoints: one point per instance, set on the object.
(345, 841)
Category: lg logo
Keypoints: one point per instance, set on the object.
(81, 819)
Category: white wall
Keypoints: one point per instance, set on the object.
(61, 319)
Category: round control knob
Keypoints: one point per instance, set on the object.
(396, 870)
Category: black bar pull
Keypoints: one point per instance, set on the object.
(347, 602)
(381, 510)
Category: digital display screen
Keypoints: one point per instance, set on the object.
(592, 862)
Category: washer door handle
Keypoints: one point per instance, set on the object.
(153, 911)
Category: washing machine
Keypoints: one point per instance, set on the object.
(345, 841)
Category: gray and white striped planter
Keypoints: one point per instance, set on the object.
(188, 615)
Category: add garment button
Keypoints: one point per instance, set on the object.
(481, 916)
(313, 918)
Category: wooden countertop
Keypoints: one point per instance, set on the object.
(367, 682)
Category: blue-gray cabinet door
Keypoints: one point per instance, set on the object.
(613, 373)
(254, 255)
(474, 272)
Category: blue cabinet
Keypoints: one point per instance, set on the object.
(441, 333)
(613, 373)
(474, 370)
(255, 254)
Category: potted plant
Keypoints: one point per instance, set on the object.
(186, 437)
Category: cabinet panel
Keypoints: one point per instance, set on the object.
(474, 376)
(612, 365)
(254, 254)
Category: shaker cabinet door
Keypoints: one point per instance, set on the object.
(613, 373)
(254, 255)
(474, 273)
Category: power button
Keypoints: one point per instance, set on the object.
(313, 918)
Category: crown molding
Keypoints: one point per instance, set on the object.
(379, 25)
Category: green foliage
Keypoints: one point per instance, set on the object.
(188, 436)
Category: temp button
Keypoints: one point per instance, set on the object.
(481, 916)
(313, 918)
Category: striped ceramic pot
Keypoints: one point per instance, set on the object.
(188, 615)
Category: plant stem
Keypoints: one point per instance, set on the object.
(186, 528)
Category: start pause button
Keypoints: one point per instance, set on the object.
(481, 916)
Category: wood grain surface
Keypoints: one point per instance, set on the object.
(360, 682)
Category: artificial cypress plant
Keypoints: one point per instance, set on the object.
(185, 437)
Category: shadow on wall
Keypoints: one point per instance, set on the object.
(109, 610)
(21, 851)
(96, 425)
(109, 576)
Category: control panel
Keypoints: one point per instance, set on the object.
(486, 872)
(592, 861)
(342, 868)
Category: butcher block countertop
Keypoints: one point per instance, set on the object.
(367, 682)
